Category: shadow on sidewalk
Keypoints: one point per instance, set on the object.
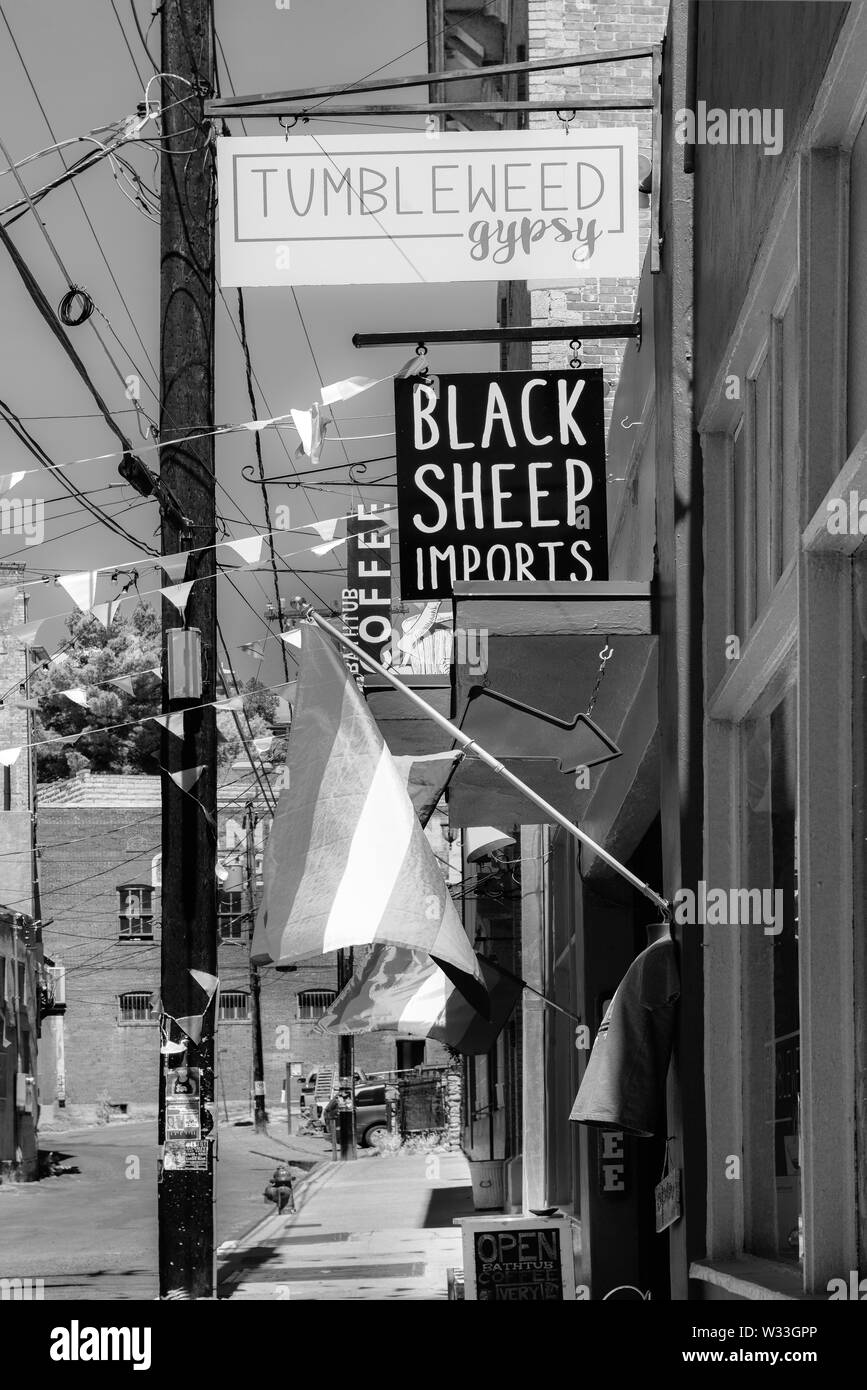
(445, 1203)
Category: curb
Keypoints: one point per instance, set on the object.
(273, 1223)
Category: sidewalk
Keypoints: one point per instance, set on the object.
(376, 1229)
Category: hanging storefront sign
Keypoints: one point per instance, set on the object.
(365, 603)
(404, 209)
(500, 478)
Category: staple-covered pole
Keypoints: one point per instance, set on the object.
(189, 826)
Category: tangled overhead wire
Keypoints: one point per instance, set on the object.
(75, 307)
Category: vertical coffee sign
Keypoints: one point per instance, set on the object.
(500, 478)
(365, 603)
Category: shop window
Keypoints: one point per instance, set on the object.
(772, 1120)
(786, 455)
(135, 912)
(743, 500)
(136, 1007)
(230, 915)
(234, 1006)
(313, 1003)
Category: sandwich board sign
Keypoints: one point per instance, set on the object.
(404, 209)
(518, 1259)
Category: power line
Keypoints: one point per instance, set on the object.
(27, 439)
(76, 192)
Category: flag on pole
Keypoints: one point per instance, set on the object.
(425, 777)
(401, 991)
(347, 862)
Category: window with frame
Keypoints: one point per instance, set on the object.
(135, 911)
(230, 915)
(313, 1003)
(234, 1006)
(136, 1006)
(772, 1108)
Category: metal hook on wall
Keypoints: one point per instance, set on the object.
(566, 120)
(575, 360)
(627, 424)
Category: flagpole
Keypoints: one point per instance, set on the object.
(469, 744)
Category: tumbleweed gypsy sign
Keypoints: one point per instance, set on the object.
(412, 209)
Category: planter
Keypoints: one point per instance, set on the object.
(489, 1188)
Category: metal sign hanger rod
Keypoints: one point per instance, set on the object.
(519, 334)
(428, 79)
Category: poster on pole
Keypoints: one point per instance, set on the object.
(409, 209)
(500, 477)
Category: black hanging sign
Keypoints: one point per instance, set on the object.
(500, 478)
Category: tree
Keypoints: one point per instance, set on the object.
(94, 655)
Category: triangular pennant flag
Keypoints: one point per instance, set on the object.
(174, 566)
(76, 695)
(25, 633)
(263, 743)
(208, 982)
(411, 368)
(10, 480)
(124, 683)
(27, 704)
(328, 546)
(187, 777)
(303, 422)
(248, 547)
(349, 387)
(105, 611)
(325, 528)
(178, 594)
(311, 429)
(293, 638)
(81, 588)
(235, 702)
(173, 722)
(154, 671)
(192, 1026)
(8, 756)
(388, 517)
(256, 649)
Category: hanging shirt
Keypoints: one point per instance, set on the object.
(624, 1084)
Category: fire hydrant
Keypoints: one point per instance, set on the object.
(280, 1190)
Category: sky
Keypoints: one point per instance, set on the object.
(88, 67)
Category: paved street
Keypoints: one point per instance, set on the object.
(93, 1234)
(377, 1229)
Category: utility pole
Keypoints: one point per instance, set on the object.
(345, 1068)
(189, 818)
(260, 1114)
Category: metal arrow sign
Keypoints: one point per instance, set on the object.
(510, 729)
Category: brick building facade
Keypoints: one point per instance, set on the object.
(99, 838)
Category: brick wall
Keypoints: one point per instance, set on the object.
(575, 26)
(88, 850)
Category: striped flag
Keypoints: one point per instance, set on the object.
(425, 776)
(347, 862)
(401, 991)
